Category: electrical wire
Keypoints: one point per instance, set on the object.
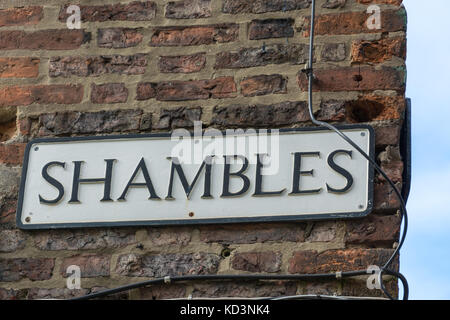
(383, 270)
(310, 73)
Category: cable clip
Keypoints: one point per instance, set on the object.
(338, 275)
(167, 279)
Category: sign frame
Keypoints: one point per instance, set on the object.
(193, 221)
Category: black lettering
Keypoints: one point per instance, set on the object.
(148, 182)
(53, 182)
(297, 172)
(176, 167)
(106, 180)
(226, 177)
(341, 171)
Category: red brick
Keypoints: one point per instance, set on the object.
(146, 90)
(158, 292)
(43, 94)
(91, 265)
(182, 64)
(133, 11)
(55, 293)
(270, 28)
(34, 269)
(311, 261)
(263, 84)
(8, 212)
(20, 16)
(345, 79)
(57, 39)
(377, 51)
(194, 35)
(118, 37)
(387, 135)
(19, 67)
(257, 261)
(375, 108)
(109, 93)
(12, 153)
(373, 230)
(355, 22)
(12, 240)
(188, 9)
(170, 236)
(12, 294)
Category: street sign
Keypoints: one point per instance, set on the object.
(185, 178)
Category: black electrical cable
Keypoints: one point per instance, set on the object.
(310, 73)
(383, 270)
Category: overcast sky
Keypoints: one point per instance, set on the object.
(425, 259)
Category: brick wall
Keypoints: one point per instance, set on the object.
(152, 66)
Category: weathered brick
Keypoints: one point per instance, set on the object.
(188, 9)
(7, 212)
(109, 93)
(253, 233)
(262, 56)
(384, 197)
(146, 90)
(75, 122)
(262, 6)
(194, 35)
(10, 178)
(391, 163)
(83, 239)
(55, 293)
(133, 11)
(377, 51)
(8, 129)
(35, 269)
(270, 28)
(374, 230)
(91, 265)
(387, 135)
(12, 240)
(182, 64)
(375, 108)
(334, 52)
(334, 4)
(244, 289)
(346, 79)
(279, 114)
(393, 2)
(163, 292)
(322, 232)
(97, 65)
(222, 87)
(263, 84)
(12, 153)
(331, 110)
(57, 39)
(174, 264)
(13, 294)
(19, 67)
(182, 117)
(170, 236)
(355, 287)
(42, 94)
(322, 287)
(347, 23)
(311, 261)
(257, 261)
(118, 37)
(20, 16)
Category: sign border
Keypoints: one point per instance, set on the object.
(291, 218)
